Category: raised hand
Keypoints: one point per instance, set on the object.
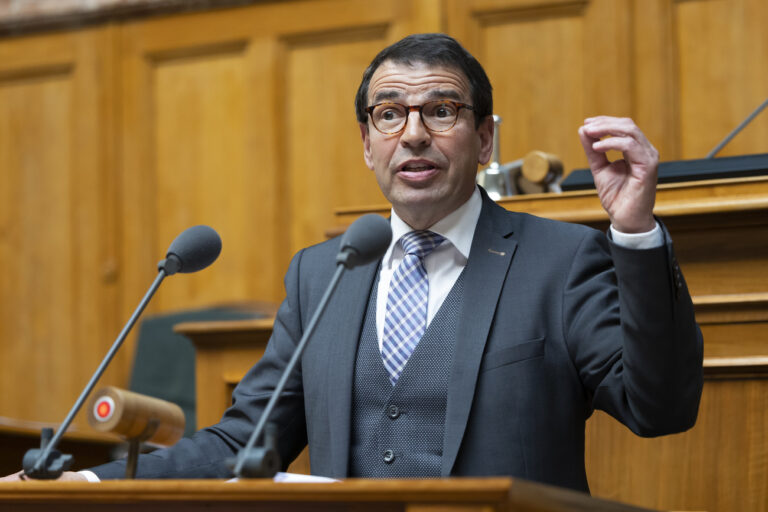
(626, 187)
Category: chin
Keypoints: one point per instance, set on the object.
(424, 197)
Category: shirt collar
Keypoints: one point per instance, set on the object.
(458, 227)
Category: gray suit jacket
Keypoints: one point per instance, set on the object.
(557, 321)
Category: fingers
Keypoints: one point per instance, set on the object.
(622, 134)
(600, 126)
(614, 143)
(597, 159)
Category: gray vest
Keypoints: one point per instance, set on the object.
(397, 431)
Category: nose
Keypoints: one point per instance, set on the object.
(415, 133)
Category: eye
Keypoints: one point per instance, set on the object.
(389, 115)
(442, 110)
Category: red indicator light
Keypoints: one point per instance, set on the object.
(103, 409)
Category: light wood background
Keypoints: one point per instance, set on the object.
(115, 137)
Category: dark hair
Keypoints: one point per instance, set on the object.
(432, 49)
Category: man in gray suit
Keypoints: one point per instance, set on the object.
(484, 339)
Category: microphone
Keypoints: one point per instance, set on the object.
(366, 240)
(193, 250)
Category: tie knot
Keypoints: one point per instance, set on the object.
(420, 243)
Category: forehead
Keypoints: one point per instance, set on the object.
(417, 81)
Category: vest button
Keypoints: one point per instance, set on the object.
(393, 412)
(389, 456)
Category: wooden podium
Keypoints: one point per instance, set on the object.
(447, 495)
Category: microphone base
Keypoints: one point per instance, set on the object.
(52, 467)
(259, 463)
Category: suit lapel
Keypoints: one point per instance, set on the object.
(489, 259)
(350, 303)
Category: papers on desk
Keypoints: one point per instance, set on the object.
(297, 478)
(304, 479)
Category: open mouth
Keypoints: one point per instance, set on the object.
(417, 165)
(414, 172)
(417, 168)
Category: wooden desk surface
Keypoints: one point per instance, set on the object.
(455, 495)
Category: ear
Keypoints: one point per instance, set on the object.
(364, 133)
(485, 133)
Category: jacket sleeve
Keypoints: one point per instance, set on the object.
(630, 329)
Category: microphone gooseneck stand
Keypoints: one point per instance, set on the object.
(264, 462)
(366, 240)
(194, 249)
(736, 130)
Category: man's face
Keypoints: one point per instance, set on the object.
(425, 175)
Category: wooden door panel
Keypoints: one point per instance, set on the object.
(721, 51)
(552, 64)
(56, 243)
(220, 125)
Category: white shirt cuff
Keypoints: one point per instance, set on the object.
(89, 475)
(648, 240)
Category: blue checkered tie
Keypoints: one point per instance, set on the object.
(406, 317)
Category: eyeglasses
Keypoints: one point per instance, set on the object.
(437, 116)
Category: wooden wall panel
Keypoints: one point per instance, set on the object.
(733, 339)
(654, 79)
(744, 254)
(686, 70)
(324, 160)
(58, 285)
(547, 71)
(222, 124)
(721, 51)
(719, 466)
(198, 147)
(34, 278)
(201, 109)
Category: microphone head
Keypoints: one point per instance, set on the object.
(194, 249)
(366, 240)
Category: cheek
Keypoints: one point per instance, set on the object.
(470, 154)
(381, 177)
(381, 152)
(461, 154)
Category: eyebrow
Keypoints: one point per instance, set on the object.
(434, 94)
